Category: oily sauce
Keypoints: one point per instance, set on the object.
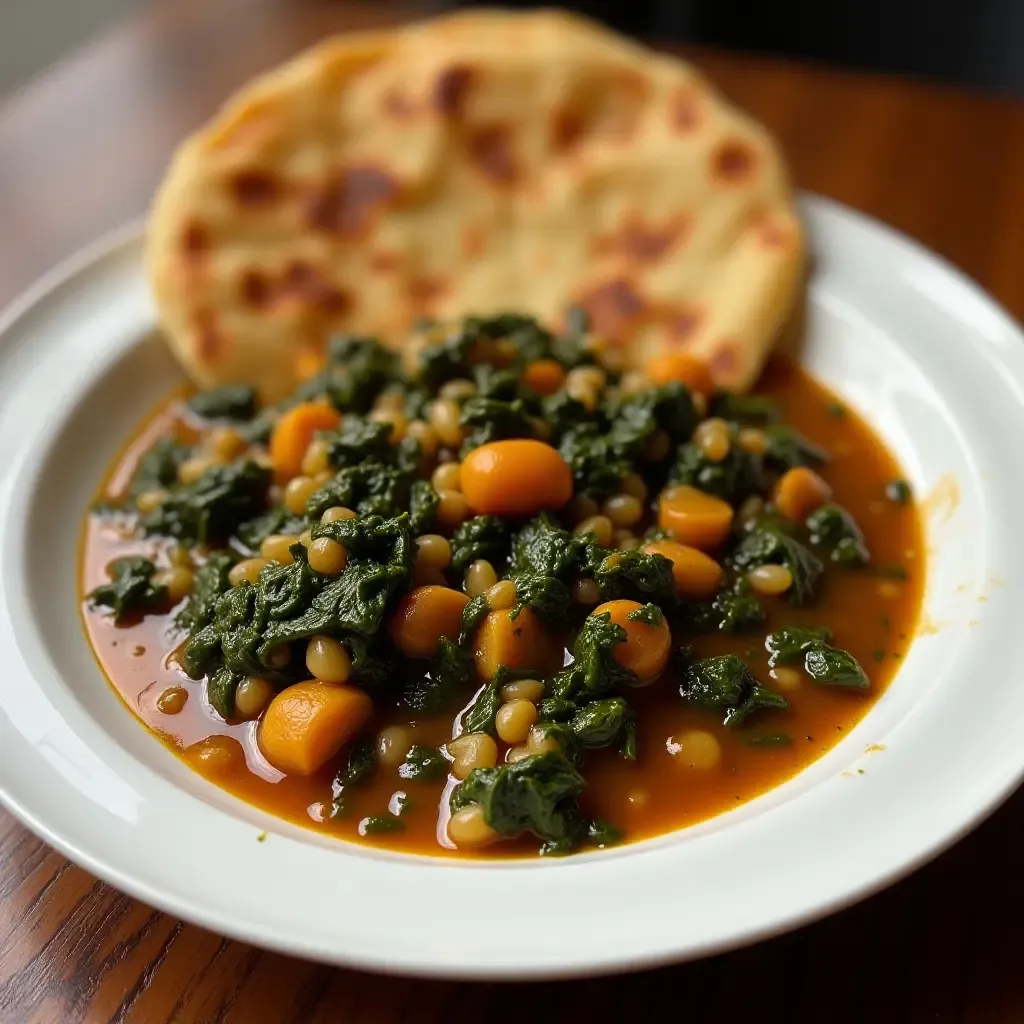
(872, 614)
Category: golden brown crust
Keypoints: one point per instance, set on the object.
(481, 162)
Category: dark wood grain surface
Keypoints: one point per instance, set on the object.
(81, 150)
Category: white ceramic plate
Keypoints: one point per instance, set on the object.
(931, 362)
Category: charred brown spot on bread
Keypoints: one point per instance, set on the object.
(491, 152)
(613, 306)
(474, 241)
(386, 262)
(725, 361)
(683, 325)
(733, 162)
(348, 204)
(423, 290)
(611, 111)
(686, 110)
(209, 343)
(256, 288)
(255, 188)
(451, 89)
(399, 105)
(640, 242)
(774, 233)
(311, 285)
(568, 126)
(195, 241)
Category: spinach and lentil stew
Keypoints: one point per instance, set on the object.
(497, 597)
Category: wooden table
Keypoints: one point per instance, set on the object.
(81, 151)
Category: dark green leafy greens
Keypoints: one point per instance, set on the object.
(485, 537)
(724, 683)
(231, 402)
(770, 542)
(131, 590)
(834, 529)
(211, 508)
(537, 794)
(292, 602)
(357, 770)
(158, 468)
(424, 763)
(824, 663)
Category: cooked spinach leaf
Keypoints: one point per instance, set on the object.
(834, 529)
(485, 537)
(548, 596)
(648, 614)
(537, 794)
(220, 691)
(479, 716)
(770, 542)
(276, 519)
(753, 410)
(376, 824)
(787, 645)
(734, 610)
(725, 683)
(603, 722)
(357, 770)
(737, 476)
(231, 402)
(130, 590)
(423, 501)
(834, 667)
(211, 508)
(158, 468)
(825, 664)
(425, 763)
(358, 370)
(291, 602)
(209, 582)
(788, 448)
(472, 616)
(449, 672)
(594, 671)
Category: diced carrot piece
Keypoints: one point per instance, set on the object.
(697, 576)
(293, 433)
(306, 724)
(799, 492)
(646, 648)
(694, 517)
(679, 366)
(515, 643)
(545, 376)
(515, 478)
(423, 616)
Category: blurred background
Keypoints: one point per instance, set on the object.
(977, 43)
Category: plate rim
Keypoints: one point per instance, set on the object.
(130, 235)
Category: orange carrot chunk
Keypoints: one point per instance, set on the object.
(799, 492)
(693, 517)
(306, 724)
(423, 616)
(697, 576)
(646, 648)
(679, 366)
(515, 478)
(293, 433)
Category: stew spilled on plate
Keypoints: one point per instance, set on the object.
(498, 598)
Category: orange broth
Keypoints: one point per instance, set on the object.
(871, 614)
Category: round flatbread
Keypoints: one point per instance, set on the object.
(477, 163)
